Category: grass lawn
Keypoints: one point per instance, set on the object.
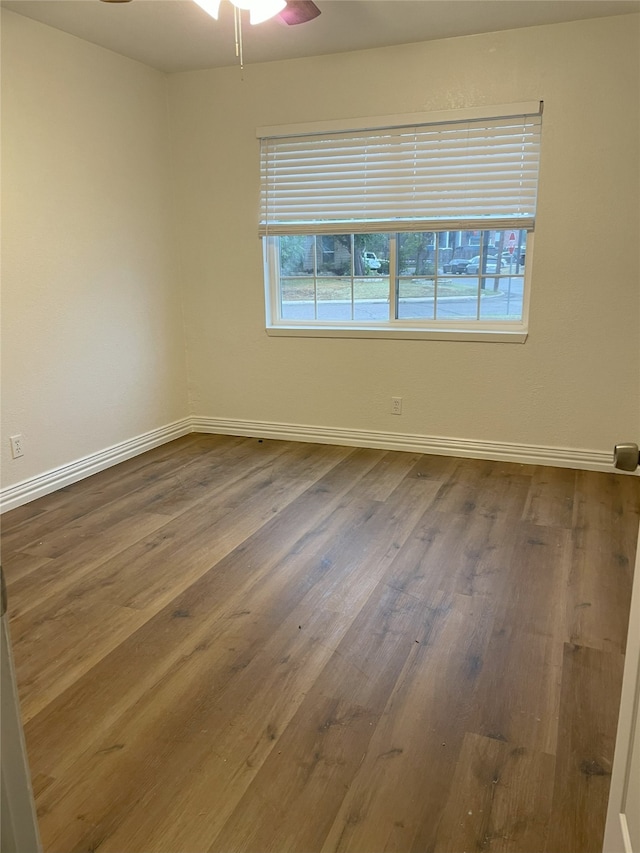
(301, 288)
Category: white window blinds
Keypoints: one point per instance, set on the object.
(472, 174)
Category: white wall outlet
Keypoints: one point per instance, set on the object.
(396, 405)
(17, 448)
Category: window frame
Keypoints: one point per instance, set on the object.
(412, 329)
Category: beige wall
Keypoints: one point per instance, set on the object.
(575, 383)
(92, 330)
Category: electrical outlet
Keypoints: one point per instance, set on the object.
(396, 405)
(16, 446)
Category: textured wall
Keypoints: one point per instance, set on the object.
(92, 329)
(574, 383)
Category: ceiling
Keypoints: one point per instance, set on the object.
(177, 35)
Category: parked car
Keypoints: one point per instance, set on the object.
(456, 265)
(493, 265)
(371, 260)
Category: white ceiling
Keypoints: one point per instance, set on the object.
(177, 35)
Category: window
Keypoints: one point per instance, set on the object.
(421, 229)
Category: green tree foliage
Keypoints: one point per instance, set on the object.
(415, 253)
(293, 250)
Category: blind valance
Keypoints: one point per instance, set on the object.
(472, 174)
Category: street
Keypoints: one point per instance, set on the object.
(506, 305)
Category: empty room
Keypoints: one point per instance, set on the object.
(319, 425)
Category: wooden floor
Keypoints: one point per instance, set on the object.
(235, 645)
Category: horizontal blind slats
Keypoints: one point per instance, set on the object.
(449, 172)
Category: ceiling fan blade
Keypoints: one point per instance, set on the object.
(116, 1)
(298, 11)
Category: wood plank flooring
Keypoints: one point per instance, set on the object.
(229, 644)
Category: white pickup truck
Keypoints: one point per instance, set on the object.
(371, 260)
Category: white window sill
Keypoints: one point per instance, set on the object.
(511, 336)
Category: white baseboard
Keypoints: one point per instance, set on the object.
(50, 481)
(560, 457)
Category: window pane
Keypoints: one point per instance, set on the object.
(416, 298)
(458, 298)
(506, 303)
(416, 286)
(456, 249)
(417, 253)
(371, 282)
(334, 254)
(296, 255)
(334, 296)
(371, 254)
(371, 298)
(297, 298)
(296, 262)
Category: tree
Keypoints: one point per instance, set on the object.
(355, 248)
(414, 252)
(292, 253)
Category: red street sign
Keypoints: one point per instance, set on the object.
(512, 242)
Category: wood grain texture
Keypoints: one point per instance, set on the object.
(585, 749)
(500, 799)
(229, 644)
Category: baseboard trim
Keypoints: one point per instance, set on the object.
(43, 484)
(559, 457)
